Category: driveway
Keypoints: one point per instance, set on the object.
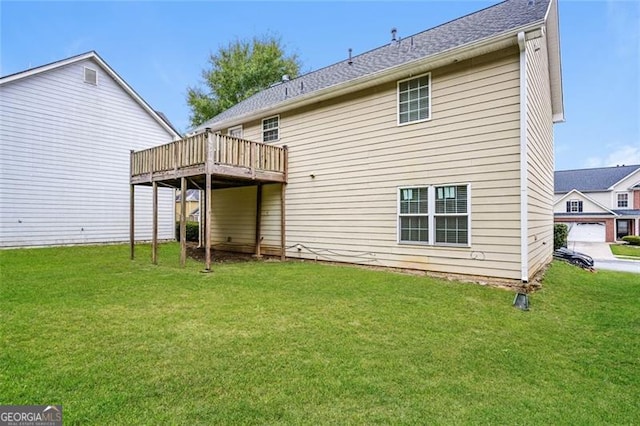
(603, 258)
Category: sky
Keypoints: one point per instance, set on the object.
(161, 47)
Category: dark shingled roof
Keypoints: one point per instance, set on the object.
(585, 180)
(492, 21)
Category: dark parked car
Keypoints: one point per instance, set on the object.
(573, 257)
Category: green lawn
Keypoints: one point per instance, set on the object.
(625, 250)
(125, 342)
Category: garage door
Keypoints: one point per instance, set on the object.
(587, 232)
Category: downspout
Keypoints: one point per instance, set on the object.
(524, 217)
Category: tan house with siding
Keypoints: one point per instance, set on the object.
(433, 152)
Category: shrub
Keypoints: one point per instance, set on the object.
(560, 233)
(632, 240)
(192, 231)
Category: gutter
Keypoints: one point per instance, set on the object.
(524, 214)
(418, 66)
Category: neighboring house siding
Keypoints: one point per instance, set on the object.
(64, 160)
(359, 157)
(540, 162)
(588, 206)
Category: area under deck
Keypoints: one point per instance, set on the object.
(207, 161)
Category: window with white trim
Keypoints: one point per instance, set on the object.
(414, 215)
(574, 206)
(414, 99)
(623, 200)
(452, 215)
(435, 215)
(271, 129)
(236, 131)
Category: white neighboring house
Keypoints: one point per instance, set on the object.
(599, 205)
(66, 131)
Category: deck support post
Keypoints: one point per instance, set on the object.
(208, 201)
(207, 227)
(154, 232)
(283, 188)
(132, 212)
(258, 219)
(183, 221)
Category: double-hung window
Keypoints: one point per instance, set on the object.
(414, 215)
(452, 214)
(414, 99)
(623, 200)
(271, 129)
(435, 215)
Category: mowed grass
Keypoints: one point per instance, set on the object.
(125, 342)
(625, 250)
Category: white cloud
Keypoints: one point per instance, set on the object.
(625, 154)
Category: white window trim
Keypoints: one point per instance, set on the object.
(399, 215)
(84, 75)
(577, 210)
(239, 127)
(467, 214)
(431, 213)
(278, 128)
(617, 200)
(398, 100)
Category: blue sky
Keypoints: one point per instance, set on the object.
(160, 48)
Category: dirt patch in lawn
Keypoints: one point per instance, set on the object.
(219, 256)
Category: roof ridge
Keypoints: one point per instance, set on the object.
(599, 168)
(382, 46)
(70, 58)
(498, 19)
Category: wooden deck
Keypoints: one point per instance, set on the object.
(207, 161)
(229, 160)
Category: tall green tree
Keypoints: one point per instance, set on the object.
(236, 72)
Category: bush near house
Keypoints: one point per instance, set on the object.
(192, 231)
(632, 240)
(560, 233)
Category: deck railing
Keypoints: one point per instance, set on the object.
(217, 149)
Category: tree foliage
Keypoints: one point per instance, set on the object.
(238, 71)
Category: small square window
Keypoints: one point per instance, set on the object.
(623, 200)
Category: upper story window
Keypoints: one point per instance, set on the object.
(271, 129)
(414, 99)
(574, 206)
(236, 132)
(623, 200)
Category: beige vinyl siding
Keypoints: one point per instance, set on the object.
(540, 161)
(234, 219)
(359, 157)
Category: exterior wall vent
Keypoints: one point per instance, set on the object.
(90, 76)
